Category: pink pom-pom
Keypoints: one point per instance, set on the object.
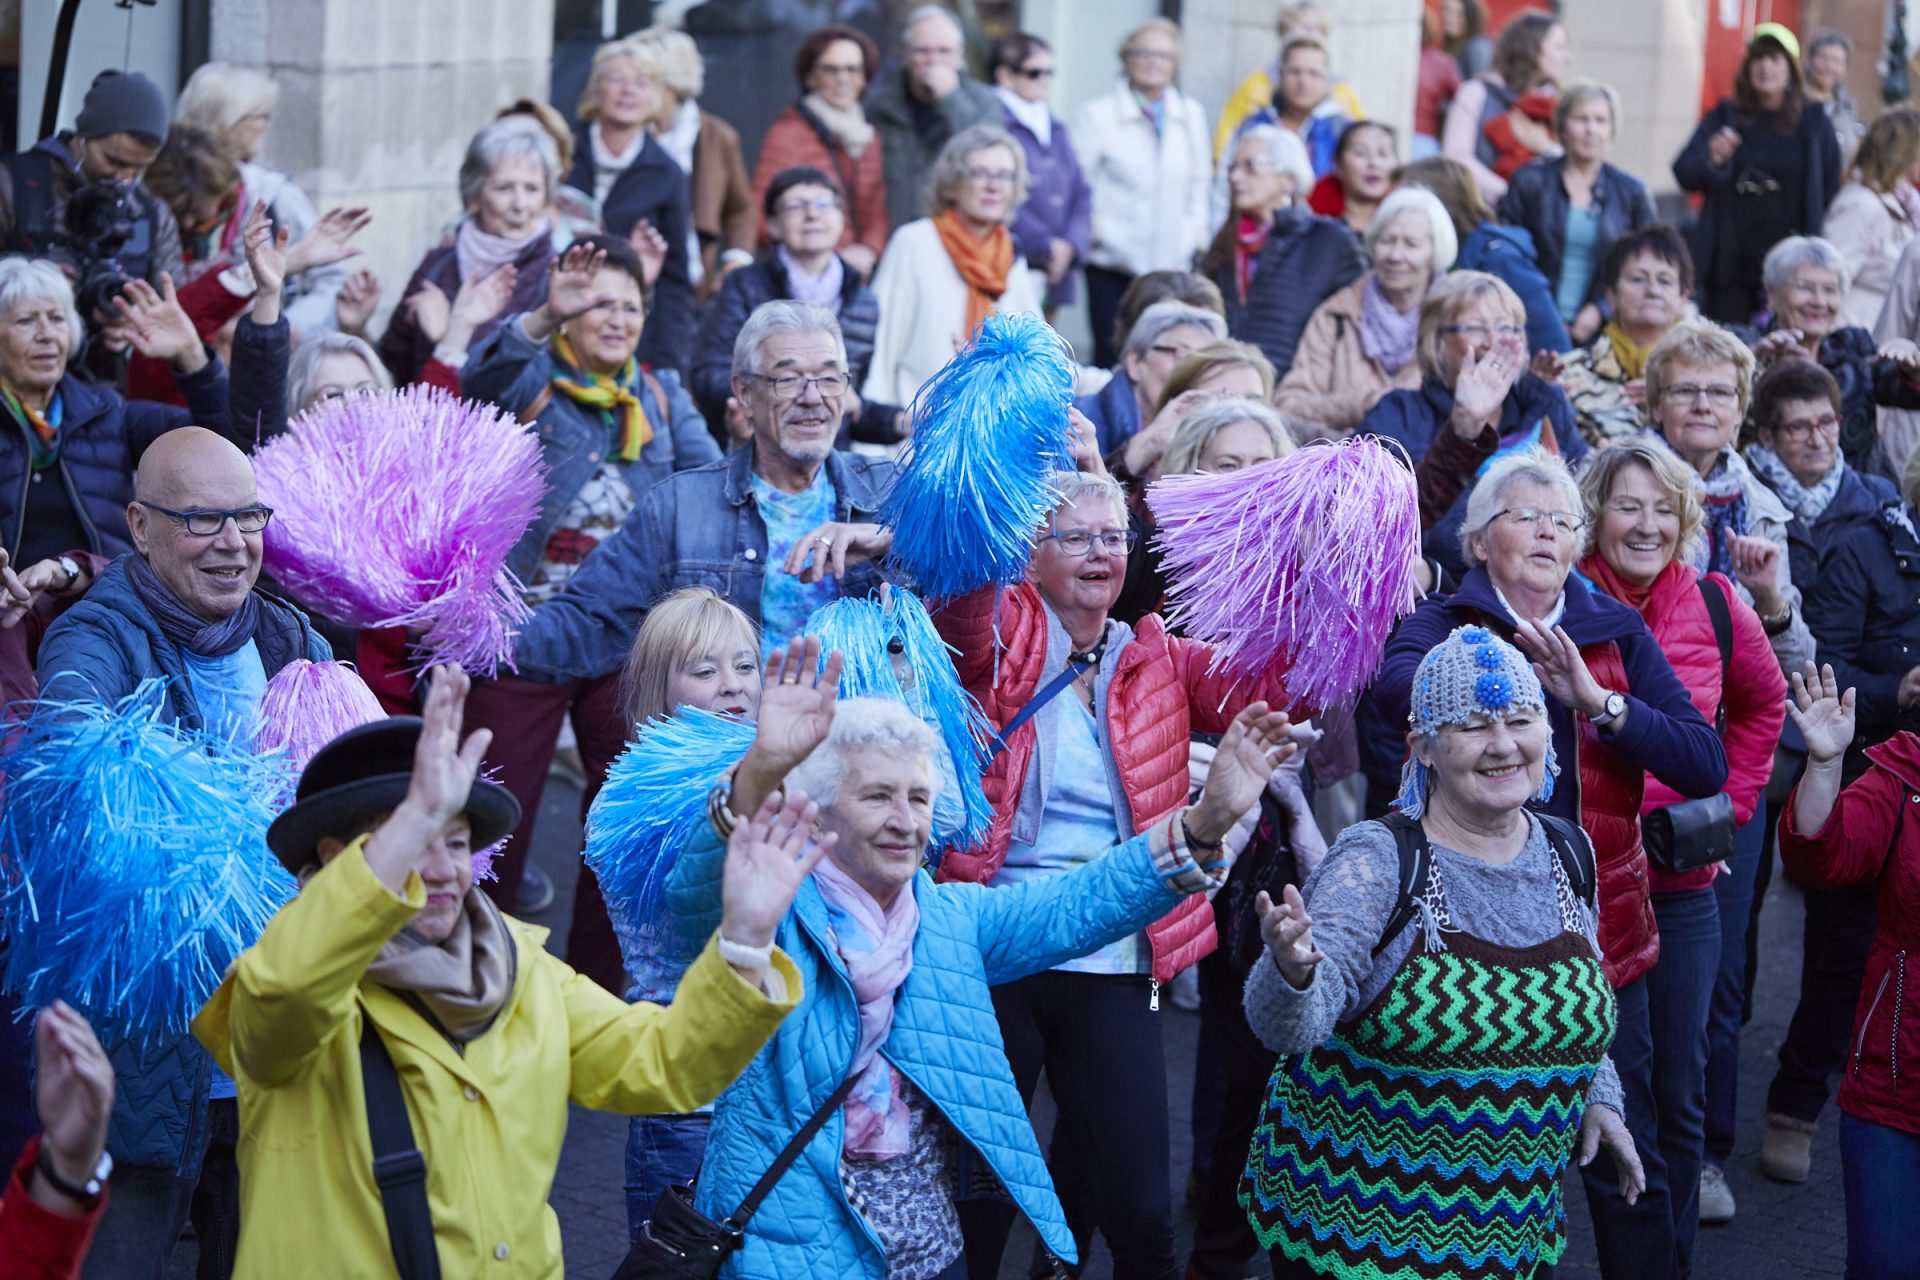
(1306, 562)
(309, 704)
(399, 509)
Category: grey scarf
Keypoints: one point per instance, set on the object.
(183, 627)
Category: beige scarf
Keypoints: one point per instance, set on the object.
(849, 127)
(463, 981)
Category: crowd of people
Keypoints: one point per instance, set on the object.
(1495, 923)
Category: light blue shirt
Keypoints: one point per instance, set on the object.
(228, 690)
(1576, 262)
(786, 602)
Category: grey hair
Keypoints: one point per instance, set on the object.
(1286, 151)
(1197, 430)
(1157, 319)
(864, 724)
(1796, 252)
(24, 280)
(1082, 488)
(926, 11)
(1446, 240)
(950, 167)
(783, 316)
(220, 95)
(498, 142)
(1488, 498)
(301, 370)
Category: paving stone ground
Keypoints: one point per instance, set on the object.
(1780, 1232)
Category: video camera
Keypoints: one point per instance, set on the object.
(101, 218)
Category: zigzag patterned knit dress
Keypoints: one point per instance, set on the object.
(1426, 1139)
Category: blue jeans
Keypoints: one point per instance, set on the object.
(1679, 990)
(1634, 1241)
(1734, 894)
(661, 1151)
(1880, 1168)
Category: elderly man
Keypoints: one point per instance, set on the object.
(919, 109)
(182, 606)
(388, 1012)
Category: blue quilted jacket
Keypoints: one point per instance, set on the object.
(945, 1040)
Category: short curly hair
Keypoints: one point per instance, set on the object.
(950, 167)
(1698, 342)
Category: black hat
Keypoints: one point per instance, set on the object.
(363, 774)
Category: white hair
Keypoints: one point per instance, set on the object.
(1796, 252)
(1083, 488)
(1171, 313)
(220, 95)
(783, 315)
(928, 12)
(1446, 241)
(24, 280)
(306, 362)
(865, 724)
(1489, 495)
(512, 136)
(1285, 149)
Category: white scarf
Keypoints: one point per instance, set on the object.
(849, 128)
(608, 165)
(679, 137)
(1033, 116)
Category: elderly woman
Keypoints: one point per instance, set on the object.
(806, 216)
(947, 272)
(1362, 175)
(1859, 839)
(826, 130)
(618, 161)
(1099, 757)
(332, 365)
(1144, 150)
(1575, 204)
(1488, 245)
(914, 1026)
(1273, 258)
(609, 430)
(66, 468)
(1054, 227)
(1224, 370)
(1874, 216)
(1497, 117)
(506, 183)
(1361, 342)
(1807, 284)
(1618, 713)
(1477, 401)
(1645, 283)
(1641, 502)
(724, 223)
(387, 967)
(1369, 990)
(1165, 334)
(1768, 167)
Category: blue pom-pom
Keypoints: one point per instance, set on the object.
(133, 862)
(1475, 635)
(1490, 658)
(865, 632)
(1493, 690)
(989, 431)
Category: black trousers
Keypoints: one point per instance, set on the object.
(1839, 933)
(1223, 1242)
(1106, 1065)
(1104, 289)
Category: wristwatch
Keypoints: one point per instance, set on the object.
(1613, 708)
(71, 569)
(87, 1195)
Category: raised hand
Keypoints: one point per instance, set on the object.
(1602, 1126)
(430, 309)
(1823, 714)
(768, 857)
(1288, 932)
(1563, 672)
(1756, 566)
(73, 1092)
(479, 300)
(1085, 442)
(1480, 387)
(796, 708)
(651, 248)
(444, 767)
(1252, 747)
(157, 326)
(358, 299)
(1721, 146)
(570, 289)
(329, 240)
(266, 250)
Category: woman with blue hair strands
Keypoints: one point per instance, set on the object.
(1462, 908)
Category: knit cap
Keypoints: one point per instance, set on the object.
(123, 102)
(1471, 673)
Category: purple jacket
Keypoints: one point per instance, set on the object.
(407, 350)
(1059, 204)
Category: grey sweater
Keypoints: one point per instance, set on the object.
(1350, 897)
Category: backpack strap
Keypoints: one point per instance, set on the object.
(1575, 852)
(658, 392)
(539, 405)
(1723, 637)
(398, 1167)
(1416, 863)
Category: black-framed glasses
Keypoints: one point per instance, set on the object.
(207, 522)
(1079, 542)
(791, 386)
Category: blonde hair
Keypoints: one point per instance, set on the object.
(1669, 472)
(1228, 353)
(677, 59)
(643, 60)
(1890, 151)
(1698, 342)
(686, 624)
(1161, 26)
(219, 95)
(1197, 430)
(1450, 295)
(1578, 94)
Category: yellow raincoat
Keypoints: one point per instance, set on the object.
(286, 1025)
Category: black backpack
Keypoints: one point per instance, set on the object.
(1569, 844)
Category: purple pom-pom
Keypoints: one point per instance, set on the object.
(309, 704)
(1306, 562)
(399, 510)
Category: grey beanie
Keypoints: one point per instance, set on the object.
(123, 102)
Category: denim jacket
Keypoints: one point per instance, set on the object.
(699, 528)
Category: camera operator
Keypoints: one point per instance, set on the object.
(76, 198)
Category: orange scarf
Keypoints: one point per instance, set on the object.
(982, 264)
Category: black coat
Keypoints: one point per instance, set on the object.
(1856, 505)
(1864, 612)
(1731, 236)
(1865, 383)
(653, 187)
(1307, 258)
(1536, 199)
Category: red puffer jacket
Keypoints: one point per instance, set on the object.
(1755, 694)
(1160, 694)
(1873, 837)
(1612, 789)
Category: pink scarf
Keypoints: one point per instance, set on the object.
(877, 948)
(481, 253)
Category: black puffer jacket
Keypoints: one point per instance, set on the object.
(1305, 260)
